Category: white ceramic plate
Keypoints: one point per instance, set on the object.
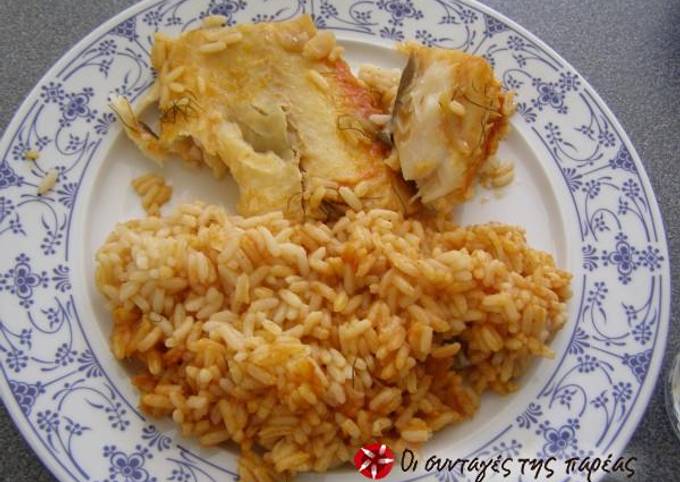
(581, 193)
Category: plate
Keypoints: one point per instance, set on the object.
(580, 191)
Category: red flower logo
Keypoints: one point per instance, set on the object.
(374, 461)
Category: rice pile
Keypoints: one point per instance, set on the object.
(301, 342)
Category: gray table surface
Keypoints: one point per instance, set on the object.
(629, 50)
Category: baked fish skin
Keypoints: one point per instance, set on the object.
(275, 105)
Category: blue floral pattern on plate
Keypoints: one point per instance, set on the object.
(65, 400)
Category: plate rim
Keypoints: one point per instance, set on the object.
(11, 406)
(635, 415)
(658, 354)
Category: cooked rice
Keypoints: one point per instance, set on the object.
(320, 46)
(379, 120)
(381, 80)
(153, 191)
(48, 181)
(31, 155)
(457, 108)
(496, 173)
(301, 342)
(336, 53)
(212, 47)
(212, 21)
(318, 80)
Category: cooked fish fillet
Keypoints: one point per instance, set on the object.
(449, 115)
(275, 105)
